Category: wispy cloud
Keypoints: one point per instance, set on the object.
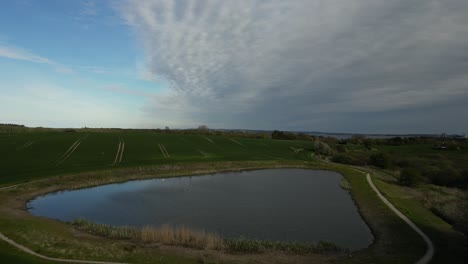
(25, 55)
(16, 53)
(20, 54)
(278, 63)
(128, 91)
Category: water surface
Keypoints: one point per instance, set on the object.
(275, 204)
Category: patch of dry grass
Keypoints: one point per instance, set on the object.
(182, 236)
(166, 234)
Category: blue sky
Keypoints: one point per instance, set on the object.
(70, 63)
(337, 66)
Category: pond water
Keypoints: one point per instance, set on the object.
(274, 204)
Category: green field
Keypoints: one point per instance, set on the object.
(97, 151)
(52, 160)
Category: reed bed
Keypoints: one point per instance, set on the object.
(182, 236)
(200, 239)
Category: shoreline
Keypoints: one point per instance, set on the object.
(28, 191)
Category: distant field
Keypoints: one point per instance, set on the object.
(29, 156)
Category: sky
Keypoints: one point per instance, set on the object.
(357, 66)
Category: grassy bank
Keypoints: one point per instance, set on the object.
(395, 242)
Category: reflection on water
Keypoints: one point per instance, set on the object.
(276, 204)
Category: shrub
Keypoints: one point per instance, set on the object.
(322, 148)
(444, 176)
(380, 160)
(410, 177)
(282, 135)
(341, 148)
(348, 159)
(463, 182)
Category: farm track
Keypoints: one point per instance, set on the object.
(119, 154)
(24, 145)
(164, 151)
(237, 142)
(69, 151)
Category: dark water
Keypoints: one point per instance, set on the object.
(276, 204)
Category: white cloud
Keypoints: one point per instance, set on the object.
(233, 63)
(19, 54)
(24, 55)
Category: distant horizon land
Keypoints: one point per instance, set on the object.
(248, 130)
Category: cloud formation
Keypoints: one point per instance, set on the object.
(305, 64)
(24, 55)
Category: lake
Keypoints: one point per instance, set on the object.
(275, 204)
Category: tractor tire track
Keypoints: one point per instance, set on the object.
(237, 142)
(164, 151)
(69, 151)
(204, 154)
(25, 145)
(119, 154)
(209, 139)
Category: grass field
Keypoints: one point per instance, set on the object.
(29, 156)
(67, 160)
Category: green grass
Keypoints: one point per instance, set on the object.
(9, 254)
(450, 245)
(98, 150)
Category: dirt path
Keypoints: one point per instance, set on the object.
(31, 252)
(69, 151)
(430, 246)
(24, 145)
